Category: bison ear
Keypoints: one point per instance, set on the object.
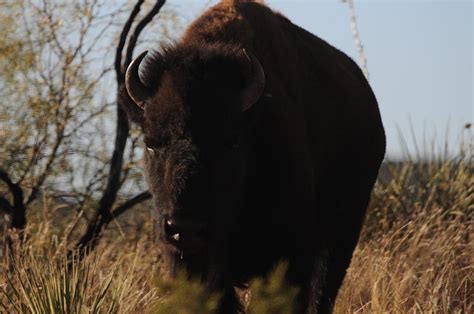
(256, 82)
(134, 113)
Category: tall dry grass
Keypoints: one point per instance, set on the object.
(415, 255)
(119, 277)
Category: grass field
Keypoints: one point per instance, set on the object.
(415, 255)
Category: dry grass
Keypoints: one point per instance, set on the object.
(117, 278)
(423, 266)
(416, 255)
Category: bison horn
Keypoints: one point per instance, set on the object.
(253, 91)
(135, 88)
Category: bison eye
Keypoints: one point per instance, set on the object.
(150, 151)
(154, 145)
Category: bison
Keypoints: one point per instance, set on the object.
(263, 143)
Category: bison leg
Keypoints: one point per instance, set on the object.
(342, 236)
(336, 265)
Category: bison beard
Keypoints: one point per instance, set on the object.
(263, 144)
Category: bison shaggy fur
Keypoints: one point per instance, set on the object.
(263, 143)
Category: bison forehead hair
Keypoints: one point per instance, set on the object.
(196, 90)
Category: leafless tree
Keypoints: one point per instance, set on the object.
(123, 57)
(47, 146)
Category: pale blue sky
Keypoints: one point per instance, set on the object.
(420, 57)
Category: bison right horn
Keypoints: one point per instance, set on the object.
(253, 91)
(135, 88)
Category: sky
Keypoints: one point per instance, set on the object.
(419, 55)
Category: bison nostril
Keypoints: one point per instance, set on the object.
(170, 226)
(176, 237)
(172, 230)
(183, 230)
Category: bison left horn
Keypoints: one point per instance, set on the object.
(135, 88)
(254, 89)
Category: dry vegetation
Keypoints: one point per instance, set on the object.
(415, 256)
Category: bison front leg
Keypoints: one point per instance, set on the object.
(319, 290)
(336, 266)
(309, 276)
(344, 224)
(219, 281)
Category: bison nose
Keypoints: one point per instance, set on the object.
(172, 229)
(179, 230)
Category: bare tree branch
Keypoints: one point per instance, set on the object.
(119, 70)
(5, 206)
(18, 209)
(139, 28)
(49, 163)
(103, 214)
(56, 89)
(131, 203)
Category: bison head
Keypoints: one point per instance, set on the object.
(195, 106)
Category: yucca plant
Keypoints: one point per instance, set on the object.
(38, 284)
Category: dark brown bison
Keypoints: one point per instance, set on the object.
(263, 143)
